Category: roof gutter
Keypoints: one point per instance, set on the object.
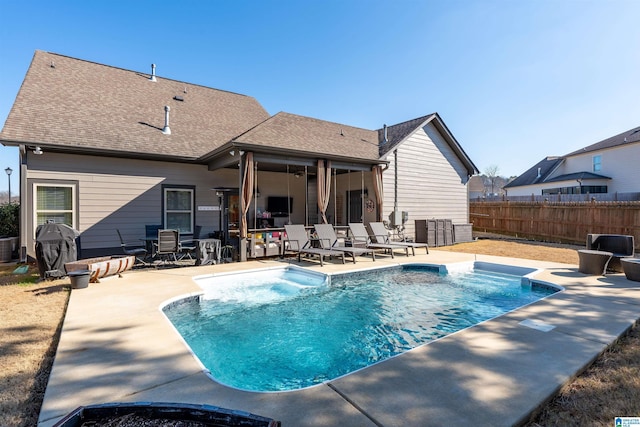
(48, 148)
(226, 148)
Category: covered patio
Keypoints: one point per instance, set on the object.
(295, 184)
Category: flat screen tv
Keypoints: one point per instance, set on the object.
(277, 205)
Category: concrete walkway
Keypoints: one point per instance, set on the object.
(117, 346)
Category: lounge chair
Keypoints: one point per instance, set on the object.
(361, 238)
(188, 246)
(328, 240)
(299, 242)
(379, 234)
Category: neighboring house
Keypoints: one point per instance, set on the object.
(476, 187)
(480, 187)
(608, 166)
(103, 148)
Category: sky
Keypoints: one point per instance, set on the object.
(514, 80)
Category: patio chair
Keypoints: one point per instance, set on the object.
(379, 234)
(139, 253)
(361, 238)
(328, 240)
(188, 246)
(298, 242)
(168, 244)
(151, 238)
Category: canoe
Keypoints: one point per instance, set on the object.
(102, 266)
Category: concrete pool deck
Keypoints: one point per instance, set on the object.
(117, 346)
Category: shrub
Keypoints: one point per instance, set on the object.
(9, 220)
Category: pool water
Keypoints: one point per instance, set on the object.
(277, 334)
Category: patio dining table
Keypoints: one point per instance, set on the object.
(150, 244)
(208, 251)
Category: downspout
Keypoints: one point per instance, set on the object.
(395, 184)
(306, 197)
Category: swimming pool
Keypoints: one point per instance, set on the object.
(289, 328)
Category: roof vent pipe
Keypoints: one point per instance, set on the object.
(385, 140)
(539, 173)
(166, 129)
(153, 73)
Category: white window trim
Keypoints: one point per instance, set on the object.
(593, 163)
(74, 213)
(192, 211)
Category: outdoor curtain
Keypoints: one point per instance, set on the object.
(324, 188)
(377, 188)
(247, 193)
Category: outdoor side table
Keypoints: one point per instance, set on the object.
(631, 268)
(593, 262)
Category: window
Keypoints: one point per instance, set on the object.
(178, 209)
(597, 163)
(585, 189)
(55, 203)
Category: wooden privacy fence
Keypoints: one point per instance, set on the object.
(557, 222)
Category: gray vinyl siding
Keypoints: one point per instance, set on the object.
(123, 194)
(431, 180)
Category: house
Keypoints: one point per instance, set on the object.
(427, 172)
(609, 166)
(477, 189)
(105, 149)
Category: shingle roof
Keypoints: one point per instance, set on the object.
(66, 102)
(307, 135)
(577, 176)
(549, 164)
(398, 132)
(531, 176)
(628, 137)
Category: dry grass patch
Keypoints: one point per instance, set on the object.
(607, 389)
(30, 317)
(519, 249)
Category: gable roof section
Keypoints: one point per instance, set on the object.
(396, 134)
(309, 136)
(71, 104)
(628, 137)
(399, 132)
(531, 176)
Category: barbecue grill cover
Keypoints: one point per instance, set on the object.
(55, 246)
